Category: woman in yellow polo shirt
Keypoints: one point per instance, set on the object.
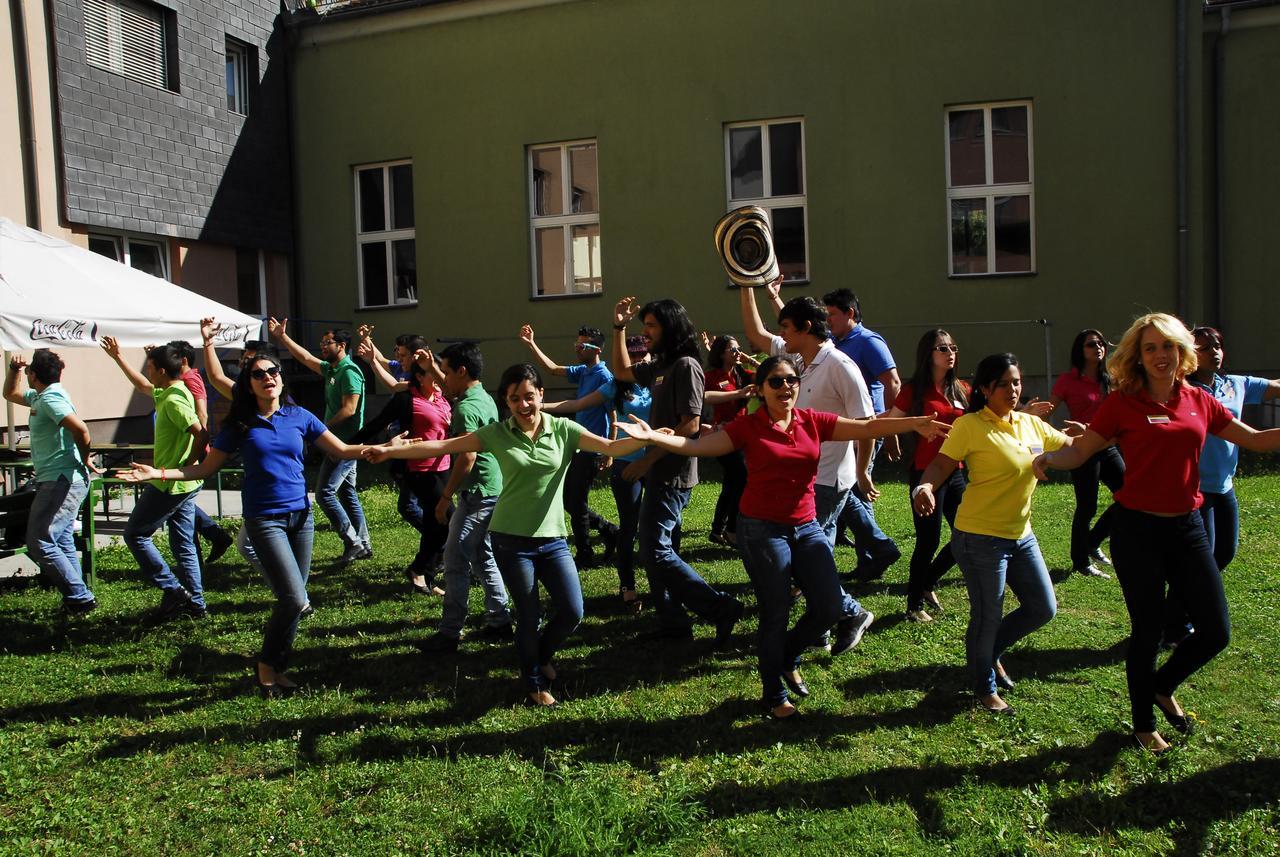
(991, 537)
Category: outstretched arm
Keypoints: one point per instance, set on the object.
(424, 448)
(276, 329)
(711, 445)
(1076, 452)
(852, 429)
(334, 448)
(594, 399)
(1250, 438)
(145, 473)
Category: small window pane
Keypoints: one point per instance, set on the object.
(103, 246)
(402, 196)
(548, 183)
(549, 244)
(248, 294)
(786, 167)
(788, 243)
(746, 163)
(404, 257)
(586, 191)
(146, 257)
(1009, 159)
(1013, 233)
(373, 265)
(372, 215)
(586, 259)
(968, 153)
(968, 236)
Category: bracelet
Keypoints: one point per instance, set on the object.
(622, 326)
(916, 490)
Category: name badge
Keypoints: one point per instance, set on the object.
(1157, 419)
(657, 382)
(1036, 449)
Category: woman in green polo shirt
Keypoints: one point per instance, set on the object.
(533, 450)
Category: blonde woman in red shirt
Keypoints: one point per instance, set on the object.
(1160, 422)
(778, 534)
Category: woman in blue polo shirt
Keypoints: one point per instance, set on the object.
(271, 439)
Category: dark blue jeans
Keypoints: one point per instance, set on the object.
(283, 546)
(406, 501)
(734, 468)
(926, 568)
(673, 585)
(869, 541)
(988, 563)
(627, 495)
(1105, 466)
(1221, 513)
(773, 554)
(524, 562)
(153, 509)
(1149, 553)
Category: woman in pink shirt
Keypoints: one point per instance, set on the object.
(426, 477)
(1082, 388)
(778, 535)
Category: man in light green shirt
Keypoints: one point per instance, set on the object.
(180, 439)
(59, 447)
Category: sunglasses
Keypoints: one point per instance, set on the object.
(947, 349)
(777, 381)
(1094, 343)
(261, 374)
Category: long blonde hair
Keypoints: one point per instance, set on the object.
(1125, 365)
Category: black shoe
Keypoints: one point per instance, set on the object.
(219, 541)
(1181, 722)
(609, 535)
(494, 632)
(308, 610)
(352, 553)
(843, 540)
(79, 608)
(438, 644)
(1002, 678)
(1007, 711)
(798, 687)
(195, 611)
(173, 603)
(874, 569)
(420, 588)
(724, 628)
(849, 632)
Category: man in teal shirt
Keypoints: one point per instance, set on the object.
(344, 416)
(59, 449)
(180, 440)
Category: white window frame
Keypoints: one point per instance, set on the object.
(566, 221)
(385, 236)
(114, 16)
(237, 56)
(769, 202)
(991, 190)
(124, 243)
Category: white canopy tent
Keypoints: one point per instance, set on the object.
(56, 295)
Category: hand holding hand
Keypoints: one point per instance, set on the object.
(922, 499)
(376, 454)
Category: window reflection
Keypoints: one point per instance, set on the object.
(788, 242)
(968, 148)
(746, 163)
(1013, 233)
(968, 236)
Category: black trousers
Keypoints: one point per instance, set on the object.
(577, 488)
(1104, 466)
(926, 568)
(1150, 553)
(428, 488)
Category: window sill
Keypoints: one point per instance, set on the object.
(539, 298)
(1006, 275)
(381, 307)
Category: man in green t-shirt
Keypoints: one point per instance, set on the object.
(180, 440)
(344, 416)
(477, 482)
(59, 450)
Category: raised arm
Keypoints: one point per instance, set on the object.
(623, 311)
(212, 365)
(757, 334)
(11, 384)
(547, 364)
(277, 331)
(112, 347)
(424, 358)
(369, 352)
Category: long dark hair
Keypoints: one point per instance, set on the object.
(990, 370)
(1077, 357)
(922, 378)
(715, 359)
(679, 339)
(244, 404)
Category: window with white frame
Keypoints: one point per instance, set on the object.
(145, 255)
(239, 69)
(990, 189)
(386, 249)
(131, 38)
(564, 219)
(764, 166)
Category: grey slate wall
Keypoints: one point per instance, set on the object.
(150, 160)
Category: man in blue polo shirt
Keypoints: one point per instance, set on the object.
(868, 350)
(590, 374)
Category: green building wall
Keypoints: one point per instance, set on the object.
(655, 81)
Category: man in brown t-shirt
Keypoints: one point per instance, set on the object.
(674, 378)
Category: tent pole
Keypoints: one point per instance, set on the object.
(11, 439)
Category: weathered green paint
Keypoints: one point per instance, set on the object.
(655, 82)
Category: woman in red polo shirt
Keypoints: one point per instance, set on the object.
(1157, 536)
(933, 389)
(727, 390)
(1082, 388)
(778, 535)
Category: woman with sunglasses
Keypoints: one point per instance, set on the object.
(727, 390)
(933, 388)
(271, 439)
(1160, 423)
(778, 534)
(533, 450)
(1083, 387)
(991, 537)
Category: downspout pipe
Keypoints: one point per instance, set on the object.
(1183, 263)
(1220, 168)
(26, 121)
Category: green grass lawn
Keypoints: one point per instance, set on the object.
(120, 737)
